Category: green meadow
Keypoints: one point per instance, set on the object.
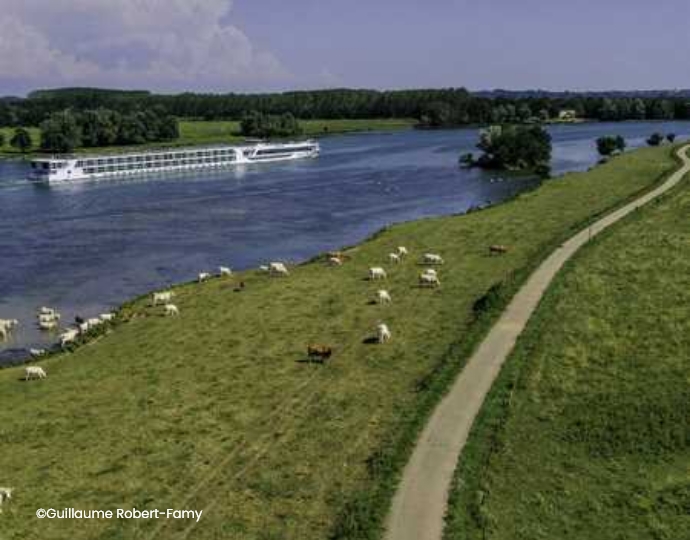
(217, 409)
(587, 432)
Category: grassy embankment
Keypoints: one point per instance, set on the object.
(194, 132)
(214, 409)
(587, 432)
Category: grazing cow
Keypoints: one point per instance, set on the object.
(93, 322)
(394, 258)
(321, 352)
(383, 297)
(376, 272)
(335, 261)
(46, 311)
(171, 309)
(34, 372)
(162, 297)
(430, 272)
(107, 317)
(5, 326)
(402, 251)
(5, 495)
(429, 280)
(264, 268)
(203, 276)
(278, 269)
(68, 337)
(497, 249)
(383, 334)
(83, 327)
(224, 271)
(37, 352)
(433, 258)
(43, 317)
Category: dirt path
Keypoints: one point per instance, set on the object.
(420, 503)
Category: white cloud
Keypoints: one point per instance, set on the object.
(156, 44)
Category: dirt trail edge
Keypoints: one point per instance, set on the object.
(420, 502)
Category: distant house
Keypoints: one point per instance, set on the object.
(567, 115)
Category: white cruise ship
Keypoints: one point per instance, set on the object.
(68, 168)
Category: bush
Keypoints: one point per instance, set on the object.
(655, 139)
(608, 144)
(514, 147)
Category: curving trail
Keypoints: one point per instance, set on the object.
(420, 502)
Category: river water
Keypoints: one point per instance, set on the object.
(87, 247)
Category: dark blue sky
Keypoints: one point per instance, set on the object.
(255, 45)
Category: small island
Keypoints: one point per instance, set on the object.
(522, 148)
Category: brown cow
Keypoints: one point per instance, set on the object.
(498, 249)
(320, 352)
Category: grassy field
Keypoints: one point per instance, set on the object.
(587, 433)
(216, 410)
(194, 132)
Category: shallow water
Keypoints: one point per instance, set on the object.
(87, 247)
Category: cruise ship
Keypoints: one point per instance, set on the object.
(69, 168)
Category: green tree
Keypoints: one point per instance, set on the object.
(609, 144)
(671, 137)
(518, 147)
(655, 139)
(21, 140)
(60, 132)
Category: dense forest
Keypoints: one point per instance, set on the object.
(432, 107)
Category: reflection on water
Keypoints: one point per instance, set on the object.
(86, 247)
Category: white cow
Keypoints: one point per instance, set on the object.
(430, 272)
(203, 276)
(93, 322)
(46, 311)
(383, 334)
(5, 495)
(224, 271)
(8, 323)
(43, 317)
(264, 268)
(68, 337)
(34, 372)
(394, 258)
(162, 297)
(335, 261)
(402, 251)
(37, 352)
(376, 272)
(83, 327)
(278, 269)
(171, 309)
(433, 258)
(107, 317)
(429, 280)
(383, 297)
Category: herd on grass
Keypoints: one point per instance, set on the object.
(48, 318)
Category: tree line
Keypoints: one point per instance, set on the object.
(66, 130)
(432, 107)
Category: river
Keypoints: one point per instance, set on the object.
(87, 247)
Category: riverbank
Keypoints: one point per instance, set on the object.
(218, 403)
(200, 132)
(589, 415)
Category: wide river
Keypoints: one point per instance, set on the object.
(87, 247)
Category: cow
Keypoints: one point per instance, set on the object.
(203, 276)
(497, 249)
(171, 309)
(429, 280)
(83, 327)
(433, 258)
(383, 334)
(224, 271)
(376, 272)
(162, 297)
(335, 261)
(264, 268)
(46, 311)
(320, 352)
(68, 337)
(34, 372)
(394, 258)
(107, 317)
(37, 352)
(278, 269)
(43, 317)
(430, 272)
(93, 322)
(402, 251)
(383, 297)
